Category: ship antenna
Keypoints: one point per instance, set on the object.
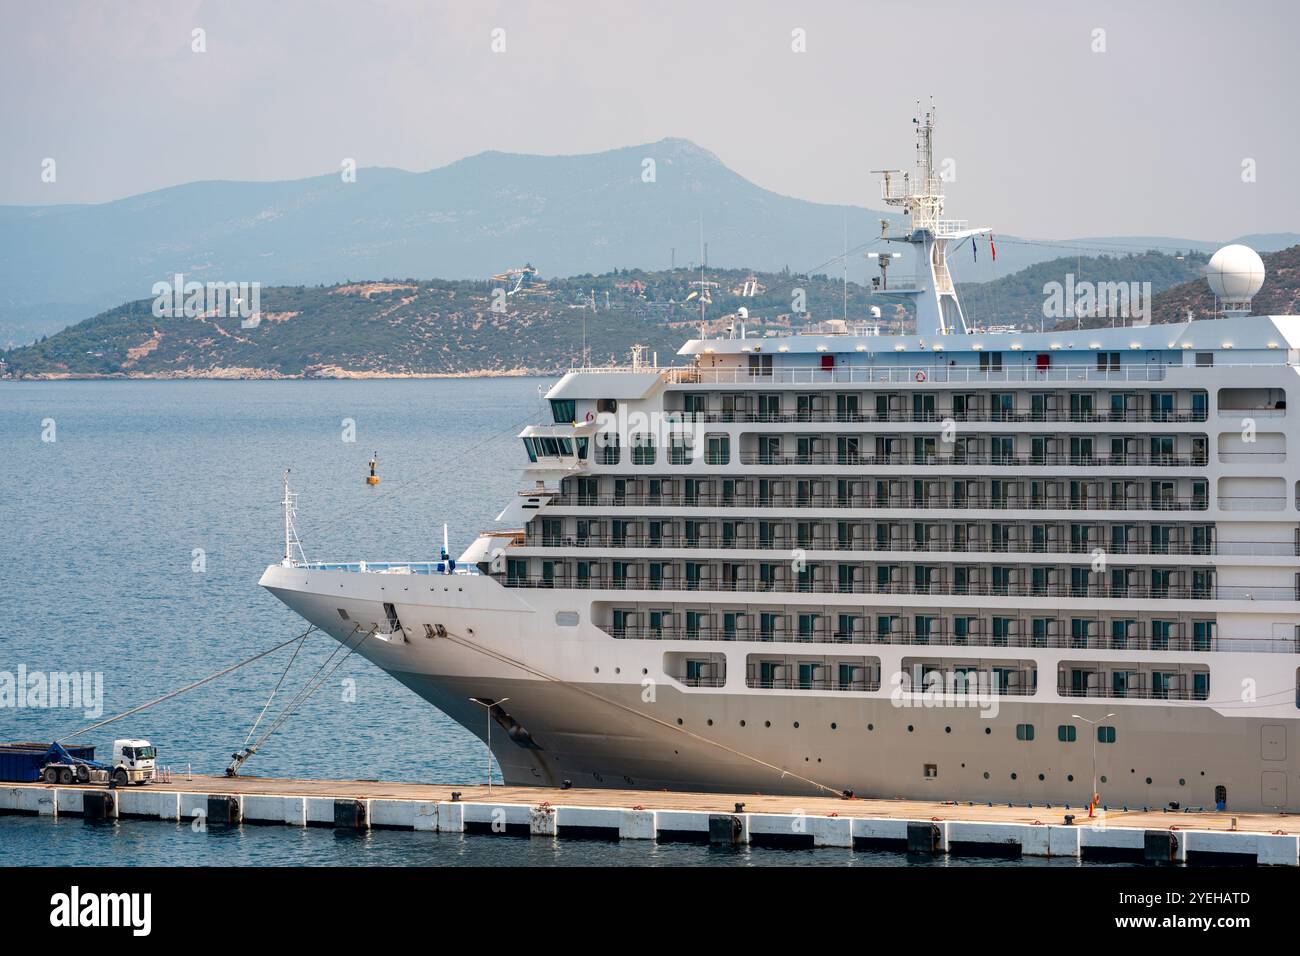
(290, 529)
(938, 309)
(702, 327)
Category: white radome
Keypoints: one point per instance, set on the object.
(1235, 273)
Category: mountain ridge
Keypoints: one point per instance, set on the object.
(449, 328)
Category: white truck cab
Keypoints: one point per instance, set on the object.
(133, 761)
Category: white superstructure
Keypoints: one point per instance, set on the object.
(953, 564)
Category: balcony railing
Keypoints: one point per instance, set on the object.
(700, 681)
(387, 567)
(794, 683)
(942, 589)
(1046, 459)
(921, 375)
(1053, 416)
(946, 637)
(1137, 693)
(936, 500)
(865, 545)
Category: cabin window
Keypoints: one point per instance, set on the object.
(564, 411)
(1105, 734)
(718, 449)
(1067, 733)
(608, 443)
(679, 450)
(643, 449)
(1024, 732)
(931, 771)
(695, 403)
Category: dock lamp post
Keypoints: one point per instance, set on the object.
(488, 705)
(1092, 803)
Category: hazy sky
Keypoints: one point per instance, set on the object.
(1050, 138)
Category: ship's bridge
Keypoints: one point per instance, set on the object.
(560, 449)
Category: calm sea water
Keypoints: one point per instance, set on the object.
(131, 546)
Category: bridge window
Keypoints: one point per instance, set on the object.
(565, 411)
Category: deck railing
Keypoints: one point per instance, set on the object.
(941, 589)
(1046, 459)
(784, 543)
(1056, 416)
(934, 500)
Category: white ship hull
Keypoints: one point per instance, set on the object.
(588, 715)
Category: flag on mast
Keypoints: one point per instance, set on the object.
(993, 248)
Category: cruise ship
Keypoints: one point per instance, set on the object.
(1037, 567)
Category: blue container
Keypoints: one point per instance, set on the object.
(22, 762)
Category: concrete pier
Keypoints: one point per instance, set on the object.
(1144, 836)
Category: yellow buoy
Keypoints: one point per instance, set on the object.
(372, 478)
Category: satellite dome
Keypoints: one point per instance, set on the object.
(1235, 273)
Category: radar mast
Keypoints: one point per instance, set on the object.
(920, 196)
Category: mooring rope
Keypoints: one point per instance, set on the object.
(307, 691)
(187, 687)
(276, 688)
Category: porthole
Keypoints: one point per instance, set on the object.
(947, 730)
(597, 670)
(742, 723)
(709, 721)
(871, 726)
(910, 728)
(1013, 776)
(834, 726)
(1041, 777)
(1148, 780)
(1069, 777)
(679, 721)
(988, 730)
(1103, 779)
(986, 774)
(1182, 782)
(767, 723)
(796, 725)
